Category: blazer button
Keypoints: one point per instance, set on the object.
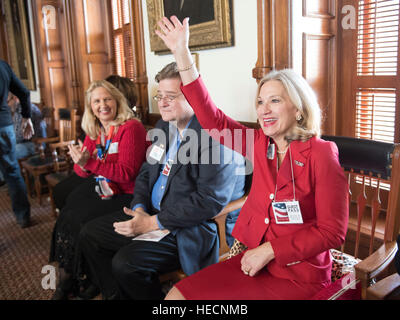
(266, 220)
(271, 196)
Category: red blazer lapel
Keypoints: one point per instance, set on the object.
(299, 152)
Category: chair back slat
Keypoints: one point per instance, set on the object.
(67, 124)
(361, 204)
(48, 117)
(375, 209)
(373, 173)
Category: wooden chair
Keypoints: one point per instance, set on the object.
(373, 171)
(41, 164)
(62, 168)
(389, 287)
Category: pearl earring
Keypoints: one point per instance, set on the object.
(299, 117)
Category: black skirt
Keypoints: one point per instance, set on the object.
(82, 205)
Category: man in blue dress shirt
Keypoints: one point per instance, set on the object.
(186, 180)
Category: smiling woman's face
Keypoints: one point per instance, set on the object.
(275, 111)
(103, 104)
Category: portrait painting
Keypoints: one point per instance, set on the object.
(210, 22)
(197, 11)
(19, 43)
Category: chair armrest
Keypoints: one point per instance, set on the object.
(232, 206)
(373, 265)
(384, 287)
(46, 140)
(61, 144)
(220, 218)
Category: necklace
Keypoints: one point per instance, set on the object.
(282, 152)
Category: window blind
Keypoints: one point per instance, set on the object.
(122, 41)
(377, 58)
(375, 114)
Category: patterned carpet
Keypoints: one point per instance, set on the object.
(24, 252)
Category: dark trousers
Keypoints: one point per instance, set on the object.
(63, 189)
(83, 204)
(12, 174)
(124, 268)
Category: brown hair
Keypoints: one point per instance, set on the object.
(126, 86)
(170, 71)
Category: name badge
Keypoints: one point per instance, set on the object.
(287, 212)
(167, 167)
(113, 148)
(156, 153)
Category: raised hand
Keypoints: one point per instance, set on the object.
(176, 37)
(174, 33)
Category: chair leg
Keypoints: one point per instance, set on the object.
(38, 188)
(26, 176)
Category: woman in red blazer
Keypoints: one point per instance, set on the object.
(110, 158)
(297, 208)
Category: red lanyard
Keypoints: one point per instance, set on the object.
(101, 154)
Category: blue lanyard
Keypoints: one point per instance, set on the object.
(101, 154)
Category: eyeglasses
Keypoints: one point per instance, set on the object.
(166, 98)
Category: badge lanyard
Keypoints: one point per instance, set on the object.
(102, 154)
(287, 212)
(291, 167)
(103, 188)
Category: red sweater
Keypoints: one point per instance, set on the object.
(123, 166)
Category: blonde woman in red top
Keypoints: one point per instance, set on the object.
(110, 158)
(297, 208)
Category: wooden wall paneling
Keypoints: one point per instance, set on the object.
(139, 55)
(74, 89)
(93, 41)
(318, 69)
(274, 39)
(51, 47)
(37, 26)
(347, 52)
(3, 38)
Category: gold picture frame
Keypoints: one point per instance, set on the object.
(20, 51)
(214, 33)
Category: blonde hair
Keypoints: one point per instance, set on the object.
(90, 124)
(303, 98)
